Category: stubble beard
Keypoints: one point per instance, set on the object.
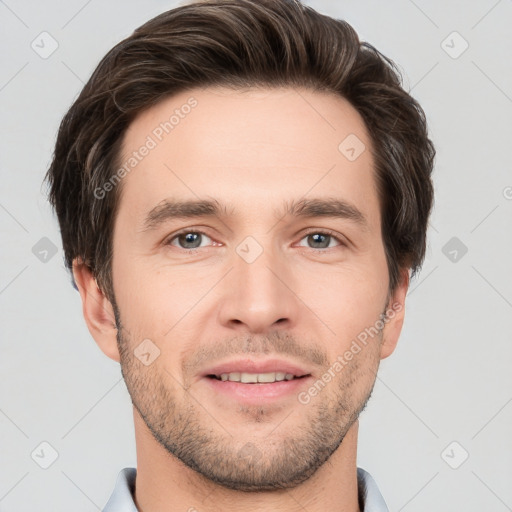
(288, 456)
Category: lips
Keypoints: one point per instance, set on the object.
(256, 382)
(256, 378)
(255, 367)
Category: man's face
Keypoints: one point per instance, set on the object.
(221, 292)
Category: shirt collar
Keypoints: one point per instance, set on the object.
(122, 497)
(370, 498)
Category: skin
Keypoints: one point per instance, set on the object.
(250, 150)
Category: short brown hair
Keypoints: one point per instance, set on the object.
(239, 44)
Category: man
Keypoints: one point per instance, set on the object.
(243, 190)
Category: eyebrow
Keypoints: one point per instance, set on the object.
(169, 209)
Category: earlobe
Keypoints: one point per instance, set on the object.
(395, 312)
(97, 310)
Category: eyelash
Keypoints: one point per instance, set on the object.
(327, 232)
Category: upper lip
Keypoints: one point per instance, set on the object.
(254, 366)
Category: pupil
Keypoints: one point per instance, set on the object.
(320, 240)
(190, 238)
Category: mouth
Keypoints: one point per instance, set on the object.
(256, 378)
(256, 382)
(254, 391)
(255, 371)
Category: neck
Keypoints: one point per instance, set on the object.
(165, 484)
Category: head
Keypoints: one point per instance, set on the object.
(244, 179)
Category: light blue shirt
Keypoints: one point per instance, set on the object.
(122, 497)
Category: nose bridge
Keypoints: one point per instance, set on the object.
(256, 294)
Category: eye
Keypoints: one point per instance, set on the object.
(321, 240)
(188, 239)
(195, 239)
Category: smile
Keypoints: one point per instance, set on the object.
(256, 378)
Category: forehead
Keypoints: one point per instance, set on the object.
(246, 148)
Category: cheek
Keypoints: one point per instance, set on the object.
(347, 301)
(156, 302)
(137, 295)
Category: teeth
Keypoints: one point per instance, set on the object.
(248, 378)
(252, 378)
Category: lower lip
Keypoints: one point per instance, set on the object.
(258, 392)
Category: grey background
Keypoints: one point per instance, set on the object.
(449, 379)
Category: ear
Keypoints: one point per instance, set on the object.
(395, 313)
(97, 310)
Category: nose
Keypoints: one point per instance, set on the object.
(258, 296)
